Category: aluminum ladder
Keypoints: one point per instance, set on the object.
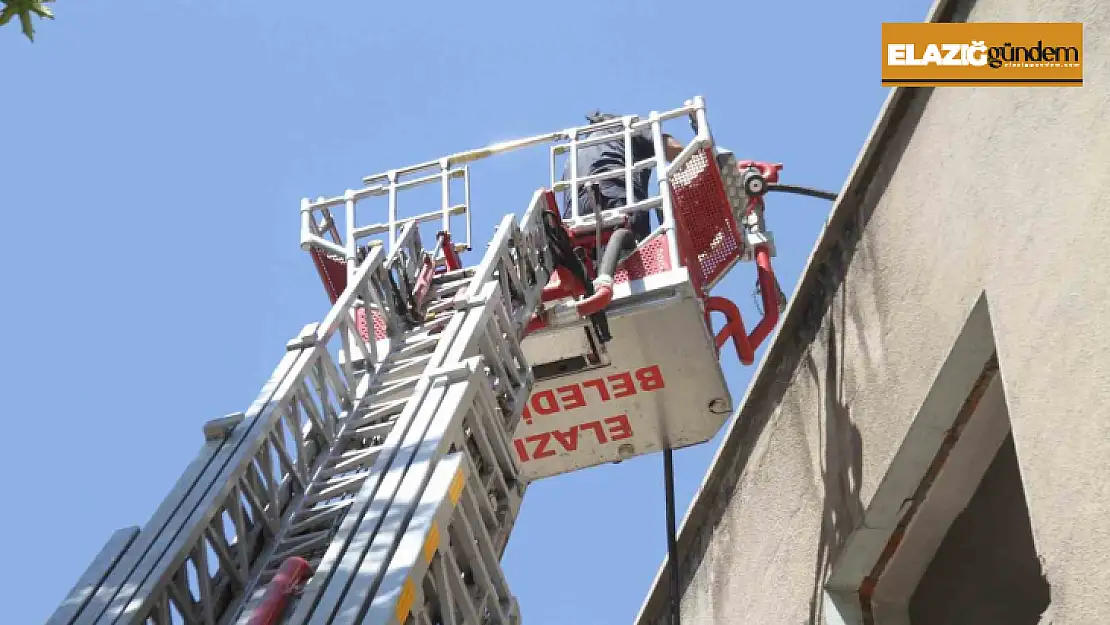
(384, 465)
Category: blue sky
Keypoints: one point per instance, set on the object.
(153, 157)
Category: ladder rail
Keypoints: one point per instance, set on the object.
(341, 543)
(520, 256)
(358, 572)
(482, 430)
(446, 537)
(459, 407)
(250, 475)
(488, 329)
(365, 351)
(140, 562)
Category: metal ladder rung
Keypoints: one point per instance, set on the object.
(394, 387)
(407, 357)
(458, 275)
(315, 517)
(378, 412)
(403, 368)
(418, 336)
(300, 544)
(448, 290)
(419, 344)
(439, 307)
(362, 459)
(369, 431)
(335, 488)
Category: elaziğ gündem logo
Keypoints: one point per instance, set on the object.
(983, 54)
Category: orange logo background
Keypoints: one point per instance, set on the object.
(993, 54)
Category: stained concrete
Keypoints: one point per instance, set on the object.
(962, 197)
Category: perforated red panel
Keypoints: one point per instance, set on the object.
(360, 323)
(651, 258)
(333, 272)
(708, 237)
(380, 331)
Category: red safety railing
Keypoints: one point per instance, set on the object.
(711, 243)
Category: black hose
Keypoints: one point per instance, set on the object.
(621, 240)
(672, 540)
(795, 189)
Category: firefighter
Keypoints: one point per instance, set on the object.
(608, 156)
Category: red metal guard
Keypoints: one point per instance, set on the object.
(769, 171)
(710, 241)
(450, 255)
(333, 273)
(293, 572)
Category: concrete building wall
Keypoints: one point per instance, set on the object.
(959, 298)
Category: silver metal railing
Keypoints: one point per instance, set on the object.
(208, 542)
(468, 400)
(320, 229)
(203, 544)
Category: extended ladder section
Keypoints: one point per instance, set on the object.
(374, 479)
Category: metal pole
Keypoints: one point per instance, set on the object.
(672, 543)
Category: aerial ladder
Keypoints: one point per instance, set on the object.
(378, 474)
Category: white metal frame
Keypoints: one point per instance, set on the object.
(319, 228)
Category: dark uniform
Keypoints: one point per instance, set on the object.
(607, 156)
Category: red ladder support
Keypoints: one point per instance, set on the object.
(293, 572)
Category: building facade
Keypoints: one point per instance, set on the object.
(927, 440)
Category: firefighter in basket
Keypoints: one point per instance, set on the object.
(609, 156)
